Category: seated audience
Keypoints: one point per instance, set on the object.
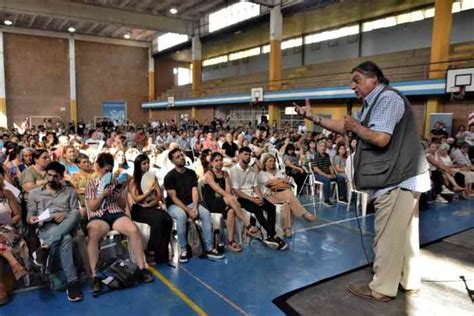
(55, 232)
(339, 160)
(218, 197)
(277, 189)
(325, 173)
(183, 204)
(80, 179)
(106, 212)
(453, 178)
(438, 132)
(147, 207)
(292, 166)
(229, 148)
(436, 173)
(12, 247)
(68, 161)
(202, 165)
(245, 186)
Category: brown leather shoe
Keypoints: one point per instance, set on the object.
(364, 291)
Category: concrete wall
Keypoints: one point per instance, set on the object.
(37, 77)
(108, 72)
(399, 38)
(165, 78)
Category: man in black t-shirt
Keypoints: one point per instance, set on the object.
(438, 132)
(183, 203)
(229, 147)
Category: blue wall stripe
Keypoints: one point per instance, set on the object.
(418, 87)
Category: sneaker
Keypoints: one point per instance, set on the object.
(96, 286)
(40, 256)
(74, 293)
(271, 242)
(183, 257)
(281, 244)
(328, 203)
(440, 199)
(445, 190)
(214, 254)
(343, 200)
(145, 276)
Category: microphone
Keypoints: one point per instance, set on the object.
(349, 105)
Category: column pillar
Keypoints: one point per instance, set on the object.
(72, 81)
(274, 74)
(3, 102)
(440, 42)
(151, 80)
(197, 66)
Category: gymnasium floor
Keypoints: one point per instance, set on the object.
(246, 283)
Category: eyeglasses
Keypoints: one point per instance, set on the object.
(54, 176)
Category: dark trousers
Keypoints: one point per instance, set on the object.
(299, 179)
(438, 181)
(161, 224)
(268, 223)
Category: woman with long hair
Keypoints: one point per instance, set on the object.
(68, 160)
(292, 166)
(218, 197)
(339, 160)
(12, 247)
(80, 179)
(277, 190)
(13, 162)
(147, 207)
(203, 164)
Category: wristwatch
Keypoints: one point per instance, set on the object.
(317, 119)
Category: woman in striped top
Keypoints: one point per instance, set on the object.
(106, 212)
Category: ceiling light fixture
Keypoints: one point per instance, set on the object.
(7, 22)
(173, 10)
(71, 29)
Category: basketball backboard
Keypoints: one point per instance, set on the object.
(458, 79)
(256, 95)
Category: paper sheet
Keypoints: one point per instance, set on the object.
(43, 216)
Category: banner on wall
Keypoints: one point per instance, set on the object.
(116, 110)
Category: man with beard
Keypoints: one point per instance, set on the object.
(55, 232)
(183, 202)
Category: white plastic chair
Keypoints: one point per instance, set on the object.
(362, 198)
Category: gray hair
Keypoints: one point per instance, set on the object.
(444, 147)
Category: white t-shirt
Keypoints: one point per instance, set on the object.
(244, 180)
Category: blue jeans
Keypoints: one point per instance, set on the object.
(341, 184)
(58, 238)
(181, 217)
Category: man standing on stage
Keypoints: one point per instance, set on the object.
(389, 162)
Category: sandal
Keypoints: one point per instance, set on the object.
(18, 271)
(234, 246)
(252, 230)
(288, 233)
(309, 217)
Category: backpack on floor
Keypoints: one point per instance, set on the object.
(118, 274)
(195, 242)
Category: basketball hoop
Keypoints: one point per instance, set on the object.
(256, 95)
